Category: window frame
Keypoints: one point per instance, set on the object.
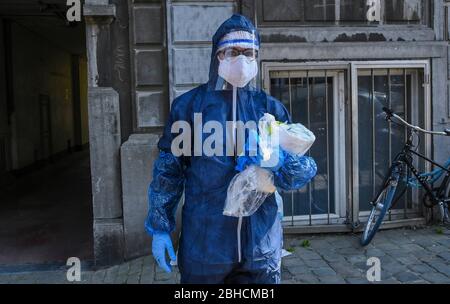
(357, 215)
(258, 5)
(347, 202)
(338, 70)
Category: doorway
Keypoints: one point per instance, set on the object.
(45, 189)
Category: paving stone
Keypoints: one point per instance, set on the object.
(346, 269)
(392, 268)
(387, 281)
(333, 257)
(163, 276)
(411, 247)
(121, 278)
(406, 256)
(133, 278)
(350, 251)
(332, 280)
(410, 260)
(5, 279)
(421, 268)
(286, 275)
(123, 269)
(436, 278)
(406, 276)
(437, 248)
(321, 244)
(299, 270)
(86, 277)
(387, 259)
(110, 275)
(316, 263)
(424, 242)
(98, 277)
(135, 266)
(357, 280)
(294, 261)
(307, 254)
(375, 252)
(57, 277)
(307, 279)
(387, 246)
(323, 271)
(357, 259)
(444, 242)
(146, 279)
(445, 255)
(398, 253)
(440, 267)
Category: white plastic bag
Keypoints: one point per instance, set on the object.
(295, 138)
(247, 191)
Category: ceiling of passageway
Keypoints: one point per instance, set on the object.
(32, 7)
(47, 18)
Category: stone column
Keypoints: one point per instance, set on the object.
(104, 136)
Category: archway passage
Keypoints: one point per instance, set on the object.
(45, 188)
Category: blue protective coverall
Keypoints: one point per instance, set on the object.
(208, 250)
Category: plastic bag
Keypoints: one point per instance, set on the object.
(250, 188)
(247, 191)
(295, 138)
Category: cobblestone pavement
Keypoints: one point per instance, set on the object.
(407, 256)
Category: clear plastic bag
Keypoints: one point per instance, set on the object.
(247, 191)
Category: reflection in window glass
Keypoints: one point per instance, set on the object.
(320, 10)
(403, 10)
(310, 101)
(295, 12)
(353, 10)
(378, 141)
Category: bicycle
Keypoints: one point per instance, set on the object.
(400, 170)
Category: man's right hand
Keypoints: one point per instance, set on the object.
(162, 242)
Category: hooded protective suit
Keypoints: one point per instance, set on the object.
(208, 250)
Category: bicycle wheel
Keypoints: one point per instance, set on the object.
(381, 205)
(446, 206)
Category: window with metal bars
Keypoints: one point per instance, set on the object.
(309, 98)
(378, 141)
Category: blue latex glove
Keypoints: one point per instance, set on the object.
(162, 242)
(245, 160)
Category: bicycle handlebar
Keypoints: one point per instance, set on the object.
(391, 113)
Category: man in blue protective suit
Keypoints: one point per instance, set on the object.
(212, 249)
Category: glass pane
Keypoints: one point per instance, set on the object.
(320, 10)
(353, 10)
(321, 124)
(282, 10)
(312, 105)
(403, 11)
(365, 147)
(300, 113)
(379, 141)
(303, 12)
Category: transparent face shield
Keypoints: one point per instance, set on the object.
(236, 62)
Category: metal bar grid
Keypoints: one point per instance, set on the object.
(328, 147)
(309, 127)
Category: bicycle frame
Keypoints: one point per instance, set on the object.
(405, 157)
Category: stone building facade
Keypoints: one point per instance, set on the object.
(333, 64)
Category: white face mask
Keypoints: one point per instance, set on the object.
(238, 71)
